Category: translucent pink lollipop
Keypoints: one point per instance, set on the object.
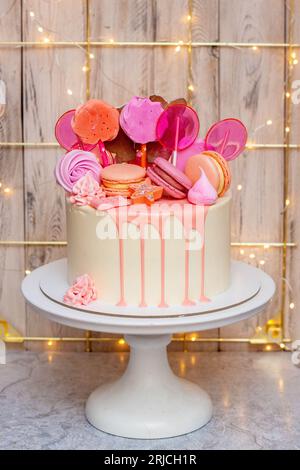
(228, 137)
(65, 135)
(177, 128)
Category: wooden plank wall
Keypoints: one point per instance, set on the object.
(236, 82)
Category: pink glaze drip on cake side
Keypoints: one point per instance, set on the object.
(189, 222)
(162, 263)
(122, 301)
(203, 298)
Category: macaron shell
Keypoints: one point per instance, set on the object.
(225, 169)
(173, 172)
(162, 174)
(123, 173)
(168, 189)
(203, 161)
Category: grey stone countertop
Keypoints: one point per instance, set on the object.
(255, 396)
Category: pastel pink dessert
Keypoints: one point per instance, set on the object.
(138, 119)
(82, 292)
(202, 193)
(174, 182)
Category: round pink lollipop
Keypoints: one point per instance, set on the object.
(228, 137)
(65, 135)
(138, 120)
(177, 128)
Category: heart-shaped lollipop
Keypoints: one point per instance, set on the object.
(177, 128)
(228, 137)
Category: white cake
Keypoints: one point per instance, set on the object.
(152, 270)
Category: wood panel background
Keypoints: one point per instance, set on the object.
(245, 83)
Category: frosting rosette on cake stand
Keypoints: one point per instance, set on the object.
(74, 165)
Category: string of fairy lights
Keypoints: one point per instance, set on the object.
(49, 38)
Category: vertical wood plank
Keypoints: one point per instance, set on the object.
(48, 73)
(293, 257)
(251, 88)
(12, 307)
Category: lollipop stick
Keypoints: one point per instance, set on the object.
(103, 154)
(176, 142)
(143, 155)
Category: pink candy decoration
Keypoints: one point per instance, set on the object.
(138, 119)
(75, 164)
(82, 292)
(202, 193)
(106, 203)
(85, 190)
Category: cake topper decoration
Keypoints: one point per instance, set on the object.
(85, 190)
(75, 164)
(82, 292)
(177, 128)
(228, 137)
(203, 192)
(138, 120)
(65, 135)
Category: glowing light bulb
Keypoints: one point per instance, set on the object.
(40, 29)
(295, 61)
(268, 347)
(69, 91)
(292, 305)
(269, 122)
(288, 95)
(262, 262)
(189, 17)
(266, 246)
(252, 255)
(31, 13)
(287, 202)
(27, 271)
(111, 40)
(92, 56)
(293, 55)
(191, 87)
(193, 338)
(7, 190)
(0, 185)
(85, 68)
(50, 343)
(242, 252)
(239, 187)
(287, 129)
(177, 49)
(46, 40)
(254, 48)
(121, 341)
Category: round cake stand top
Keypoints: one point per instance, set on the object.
(146, 326)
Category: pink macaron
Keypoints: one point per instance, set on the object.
(175, 183)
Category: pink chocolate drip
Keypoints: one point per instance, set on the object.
(162, 266)
(203, 298)
(142, 244)
(122, 302)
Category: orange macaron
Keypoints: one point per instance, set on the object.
(215, 167)
(116, 179)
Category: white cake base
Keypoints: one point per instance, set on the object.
(149, 401)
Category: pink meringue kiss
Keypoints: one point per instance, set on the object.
(85, 190)
(202, 193)
(138, 119)
(82, 292)
(75, 164)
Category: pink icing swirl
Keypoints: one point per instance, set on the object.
(82, 292)
(75, 164)
(86, 190)
(202, 193)
(138, 119)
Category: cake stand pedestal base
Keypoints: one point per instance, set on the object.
(148, 401)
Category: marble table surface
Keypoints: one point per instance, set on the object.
(255, 397)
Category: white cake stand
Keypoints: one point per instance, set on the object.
(149, 401)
